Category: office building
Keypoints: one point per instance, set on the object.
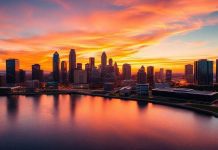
(12, 71)
(217, 71)
(37, 73)
(56, 70)
(103, 60)
(126, 71)
(64, 72)
(80, 77)
(79, 66)
(142, 89)
(189, 76)
(161, 74)
(72, 64)
(141, 75)
(110, 62)
(2, 80)
(168, 75)
(150, 76)
(22, 76)
(92, 62)
(116, 69)
(203, 72)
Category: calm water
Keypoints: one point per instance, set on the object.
(84, 122)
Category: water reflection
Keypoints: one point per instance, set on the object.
(12, 107)
(142, 105)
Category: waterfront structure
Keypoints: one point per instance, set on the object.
(79, 66)
(217, 71)
(56, 70)
(184, 93)
(126, 71)
(80, 77)
(168, 75)
(92, 62)
(103, 60)
(110, 62)
(142, 89)
(141, 75)
(12, 71)
(189, 77)
(203, 72)
(72, 64)
(64, 72)
(150, 76)
(37, 73)
(22, 76)
(108, 86)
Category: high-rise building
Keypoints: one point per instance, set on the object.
(72, 64)
(203, 72)
(2, 80)
(126, 71)
(36, 72)
(161, 74)
(217, 71)
(12, 71)
(22, 76)
(116, 69)
(79, 66)
(56, 68)
(92, 62)
(80, 77)
(189, 77)
(64, 72)
(141, 75)
(150, 76)
(168, 75)
(103, 60)
(110, 62)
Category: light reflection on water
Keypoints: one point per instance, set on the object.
(85, 122)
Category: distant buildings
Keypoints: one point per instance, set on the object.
(126, 71)
(110, 62)
(141, 75)
(37, 73)
(80, 77)
(189, 77)
(56, 64)
(103, 60)
(116, 69)
(22, 76)
(168, 75)
(203, 73)
(92, 62)
(2, 80)
(12, 71)
(64, 72)
(72, 64)
(79, 66)
(150, 75)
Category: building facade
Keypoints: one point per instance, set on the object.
(12, 71)
(72, 64)
(126, 71)
(56, 68)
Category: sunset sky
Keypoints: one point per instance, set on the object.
(162, 33)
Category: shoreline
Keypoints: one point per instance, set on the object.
(153, 100)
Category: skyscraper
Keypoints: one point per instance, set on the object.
(103, 60)
(150, 75)
(126, 71)
(36, 72)
(64, 72)
(92, 62)
(116, 69)
(217, 71)
(12, 71)
(203, 72)
(72, 64)
(56, 64)
(189, 73)
(141, 75)
(168, 75)
(161, 74)
(110, 62)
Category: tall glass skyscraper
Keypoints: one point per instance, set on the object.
(12, 71)
(217, 71)
(203, 73)
(126, 71)
(103, 60)
(56, 69)
(72, 65)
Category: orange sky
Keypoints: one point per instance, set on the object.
(161, 33)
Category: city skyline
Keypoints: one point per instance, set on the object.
(139, 32)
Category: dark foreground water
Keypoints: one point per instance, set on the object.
(84, 122)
